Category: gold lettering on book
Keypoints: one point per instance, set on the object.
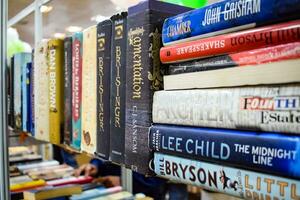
(117, 108)
(52, 79)
(101, 92)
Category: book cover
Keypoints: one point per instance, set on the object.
(233, 181)
(104, 30)
(227, 16)
(97, 192)
(52, 192)
(25, 93)
(253, 57)
(55, 56)
(262, 108)
(20, 62)
(118, 87)
(258, 151)
(41, 92)
(70, 180)
(143, 76)
(29, 88)
(89, 91)
(76, 89)
(67, 90)
(252, 75)
(233, 42)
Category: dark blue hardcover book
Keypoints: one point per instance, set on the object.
(104, 30)
(118, 87)
(265, 152)
(29, 93)
(227, 16)
(143, 76)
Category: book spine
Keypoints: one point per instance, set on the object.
(265, 152)
(227, 16)
(55, 67)
(17, 91)
(29, 93)
(68, 90)
(76, 89)
(118, 87)
(89, 91)
(234, 42)
(253, 57)
(26, 59)
(233, 181)
(32, 102)
(41, 92)
(265, 108)
(104, 30)
(11, 93)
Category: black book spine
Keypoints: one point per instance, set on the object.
(11, 92)
(67, 91)
(218, 62)
(118, 87)
(144, 75)
(103, 87)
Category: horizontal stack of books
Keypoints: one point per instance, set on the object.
(228, 118)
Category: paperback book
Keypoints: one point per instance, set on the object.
(41, 92)
(245, 58)
(118, 87)
(258, 151)
(89, 91)
(143, 76)
(104, 55)
(227, 16)
(262, 108)
(67, 91)
(25, 93)
(237, 182)
(76, 89)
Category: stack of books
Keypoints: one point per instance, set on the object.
(228, 118)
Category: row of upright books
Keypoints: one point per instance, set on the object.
(228, 118)
(93, 90)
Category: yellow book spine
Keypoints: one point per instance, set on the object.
(89, 95)
(25, 185)
(55, 65)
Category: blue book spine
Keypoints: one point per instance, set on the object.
(29, 102)
(265, 152)
(232, 181)
(227, 16)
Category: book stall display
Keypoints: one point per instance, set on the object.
(206, 97)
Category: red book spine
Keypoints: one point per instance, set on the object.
(234, 42)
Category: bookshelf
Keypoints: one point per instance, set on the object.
(15, 138)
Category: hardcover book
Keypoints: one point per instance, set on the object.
(253, 57)
(104, 30)
(143, 76)
(20, 63)
(89, 91)
(263, 108)
(118, 87)
(41, 92)
(52, 192)
(67, 90)
(263, 74)
(234, 42)
(56, 88)
(237, 182)
(227, 16)
(258, 151)
(76, 89)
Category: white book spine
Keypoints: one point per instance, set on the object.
(266, 108)
(41, 92)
